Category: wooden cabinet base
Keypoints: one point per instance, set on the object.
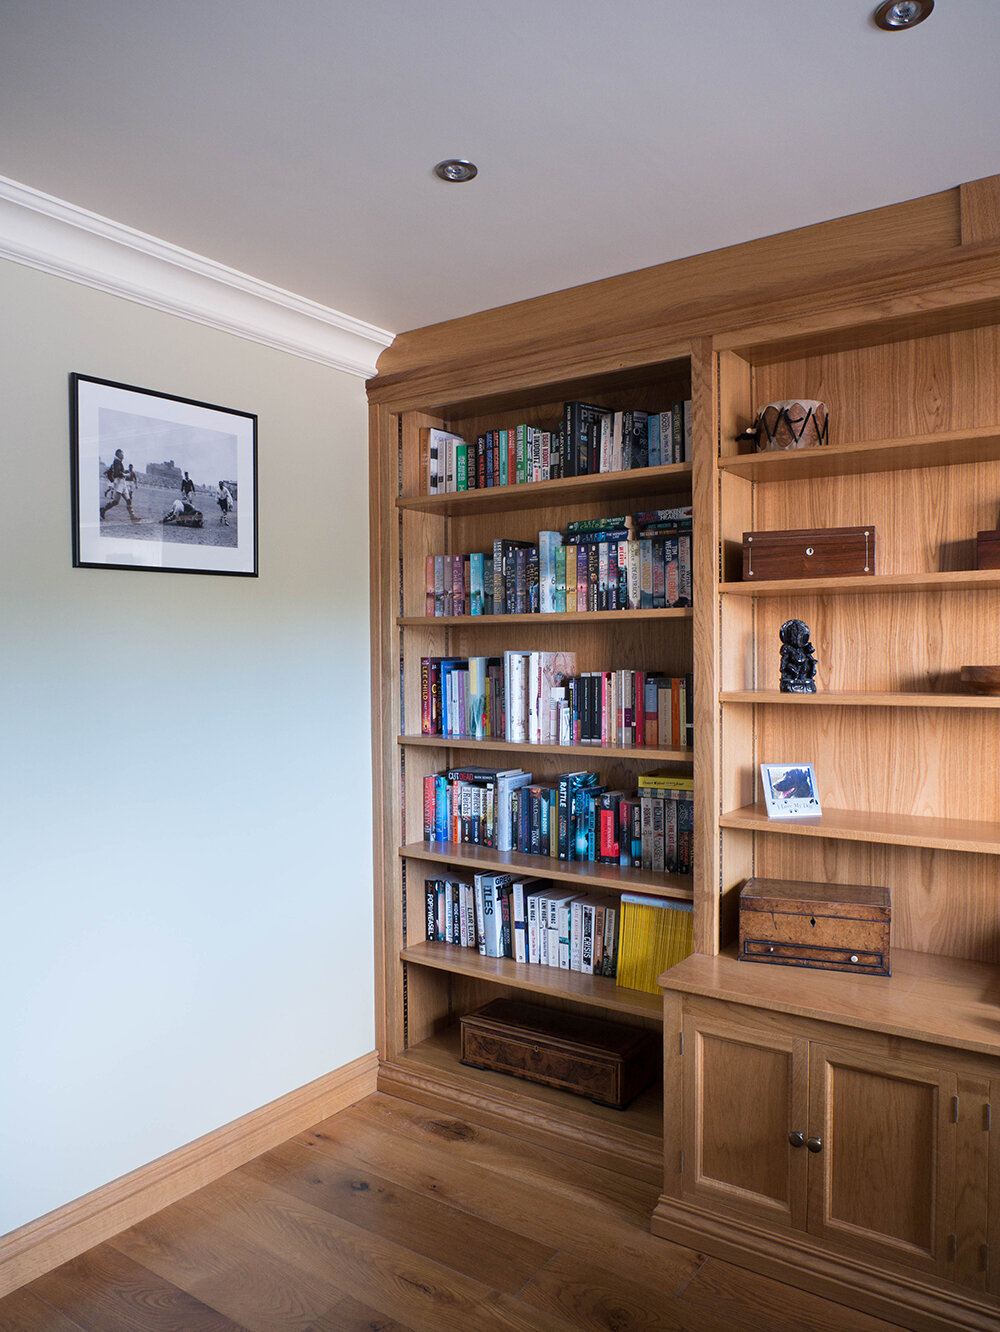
(629, 1141)
(882, 1292)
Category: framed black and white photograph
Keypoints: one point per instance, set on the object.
(790, 790)
(161, 482)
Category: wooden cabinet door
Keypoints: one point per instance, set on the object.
(882, 1164)
(745, 1093)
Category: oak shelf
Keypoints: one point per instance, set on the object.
(641, 753)
(944, 449)
(673, 479)
(955, 580)
(565, 617)
(594, 991)
(873, 698)
(864, 826)
(486, 860)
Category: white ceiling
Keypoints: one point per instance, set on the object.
(294, 141)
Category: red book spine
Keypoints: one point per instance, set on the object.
(639, 706)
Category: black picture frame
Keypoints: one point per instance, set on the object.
(161, 483)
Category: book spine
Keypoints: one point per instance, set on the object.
(429, 799)
(480, 902)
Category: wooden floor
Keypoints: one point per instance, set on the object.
(391, 1217)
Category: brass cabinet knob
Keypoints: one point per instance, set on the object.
(814, 1144)
(797, 1139)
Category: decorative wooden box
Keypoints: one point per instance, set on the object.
(817, 552)
(607, 1061)
(988, 550)
(829, 926)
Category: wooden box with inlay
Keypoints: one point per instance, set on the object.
(829, 926)
(607, 1061)
(809, 552)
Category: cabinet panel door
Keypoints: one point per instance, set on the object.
(745, 1093)
(883, 1178)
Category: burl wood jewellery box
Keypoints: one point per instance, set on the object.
(829, 926)
(606, 1061)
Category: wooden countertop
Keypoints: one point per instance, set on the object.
(943, 1000)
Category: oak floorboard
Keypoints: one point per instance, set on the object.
(504, 1155)
(26, 1312)
(244, 1254)
(595, 1299)
(562, 1213)
(104, 1291)
(760, 1304)
(404, 1285)
(256, 1288)
(418, 1221)
(352, 1316)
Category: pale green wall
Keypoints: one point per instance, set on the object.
(185, 771)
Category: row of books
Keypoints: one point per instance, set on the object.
(632, 938)
(538, 698)
(588, 440)
(623, 562)
(576, 817)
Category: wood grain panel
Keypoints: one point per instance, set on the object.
(910, 388)
(594, 1297)
(26, 1312)
(760, 1304)
(745, 1094)
(944, 1001)
(979, 210)
(645, 298)
(104, 1289)
(904, 643)
(531, 1191)
(593, 991)
(479, 1248)
(417, 1291)
(256, 1289)
(971, 1170)
(884, 1179)
(890, 760)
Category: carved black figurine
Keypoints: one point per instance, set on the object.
(798, 661)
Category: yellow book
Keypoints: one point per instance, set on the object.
(656, 933)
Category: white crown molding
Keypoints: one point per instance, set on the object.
(57, 237)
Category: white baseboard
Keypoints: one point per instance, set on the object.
(41, 1245)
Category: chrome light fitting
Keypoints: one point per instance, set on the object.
(455, 170)
(898, 15)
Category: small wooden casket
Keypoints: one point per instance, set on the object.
(607, 1061)
(818, 552)
(988, 550)
(829, 926)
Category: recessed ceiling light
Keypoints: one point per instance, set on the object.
(455, 170)
(897, 15)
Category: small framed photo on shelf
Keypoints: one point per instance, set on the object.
(790, 790)
(161, 482)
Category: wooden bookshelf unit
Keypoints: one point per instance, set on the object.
(829, 1129)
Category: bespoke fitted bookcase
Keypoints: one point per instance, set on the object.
(831, 1129)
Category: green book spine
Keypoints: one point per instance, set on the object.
(462, 467)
